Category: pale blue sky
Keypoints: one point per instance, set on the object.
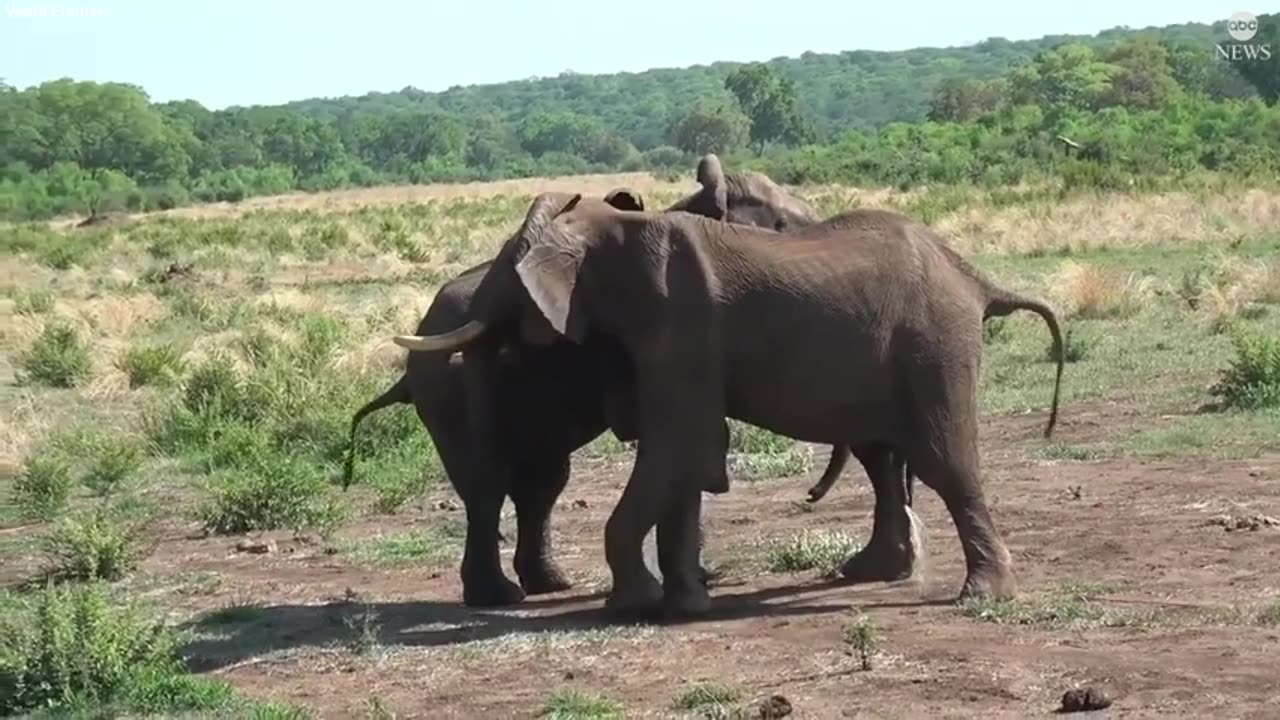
(240, 52)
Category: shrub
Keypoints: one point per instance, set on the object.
(270, 494)
(1252, 381)
(810, 550)
(36, 302)
(154, 365)
(711, 700)
(94, 546)
(57, 358)
(44, 487)
(575, 705)
(74, 651)
(114, 461)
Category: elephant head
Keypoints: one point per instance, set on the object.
(745, 198)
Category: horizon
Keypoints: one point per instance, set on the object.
(220, 65)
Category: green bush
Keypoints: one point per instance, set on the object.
(155, 365)
(273, 493)
(44, 487)
(35, 302)
(57, 357)
(114, 461)
(1252, 381)
(97, 545)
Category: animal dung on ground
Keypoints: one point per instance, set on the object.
(1085, 699)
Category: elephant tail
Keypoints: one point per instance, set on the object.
(394, 395)
(1003, 302)
(835, 466)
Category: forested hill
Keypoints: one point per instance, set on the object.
(856, 89)
(1145, 107)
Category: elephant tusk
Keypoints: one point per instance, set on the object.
(451, 340)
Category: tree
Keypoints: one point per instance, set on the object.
(1070, 75)
(1263, 70)
(710, 128)
(959, 99)
(1142, 77)
(770, 104)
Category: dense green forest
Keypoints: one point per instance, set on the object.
(1145, 106)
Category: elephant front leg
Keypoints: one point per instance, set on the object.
(679, 543)
(895, 546)
(635, 589)
(483, 582)
(534, 493)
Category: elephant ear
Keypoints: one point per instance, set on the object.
(624, 199)
(711, 177)
(550, 266)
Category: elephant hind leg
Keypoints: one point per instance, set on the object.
(895, 547)
(534, 490)
(944, 455)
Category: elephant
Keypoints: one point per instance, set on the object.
(550, 401)
(864, 330)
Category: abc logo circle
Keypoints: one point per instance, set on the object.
(1242, 26)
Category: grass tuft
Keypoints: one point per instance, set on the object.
(58, 357)
(44, 487)
(157, 365)
(577, 705)
(822, 550)
(1252, 381)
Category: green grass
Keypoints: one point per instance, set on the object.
(44, 487)
(822, 550)
(151, 365)
(1252, 381)
(436, 545)
(98, 544)
(714, 701)
(577, 705)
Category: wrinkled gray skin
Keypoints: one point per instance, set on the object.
(864, 330)
(547, 402)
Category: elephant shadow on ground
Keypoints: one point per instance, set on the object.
(242, 634)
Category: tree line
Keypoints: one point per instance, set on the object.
(1139, 104)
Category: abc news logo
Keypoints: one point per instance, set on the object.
(1242, 27)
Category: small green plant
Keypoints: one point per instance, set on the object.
(159, 365)
(1075, 347)
(96, 545)
(363, 631)
(57, 357)
(36, 302)
(114, 461)
(44, 487)
(377, 710)
(995, 330)
(577, 705)
(861, 638)
(1252, 381)
(1269, 615)
(822, 550)
(711, 700)
(423, 547)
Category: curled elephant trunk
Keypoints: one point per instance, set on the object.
(452, 340)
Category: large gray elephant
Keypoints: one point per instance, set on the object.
(544, 403)
(864, 330)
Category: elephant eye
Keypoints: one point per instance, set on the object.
(779, 224)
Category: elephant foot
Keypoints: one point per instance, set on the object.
(491, 593)
(994, 582)
(706, 576)
(546, 578)
(639, 597)
(683, 603)
(880, 561)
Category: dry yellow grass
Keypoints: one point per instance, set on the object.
(1098, 220)
(1086, 290)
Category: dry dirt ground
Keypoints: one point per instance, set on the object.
(1158, 616)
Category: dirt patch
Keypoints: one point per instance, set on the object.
(1138, 533)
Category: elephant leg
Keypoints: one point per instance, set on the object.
(534, 494)
(642, 501)
(835, 466)
(893, 551)
(679, 538)
(483, 582)
(945, 457)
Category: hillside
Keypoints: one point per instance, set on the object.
(856, 89)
